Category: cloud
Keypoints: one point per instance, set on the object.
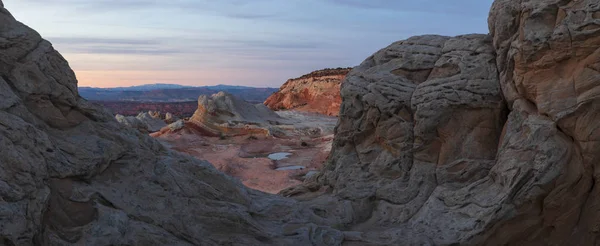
(97, 4)
(426, 6)
(93, 40)
(160, 46)
(125, 50)
(248, 16)
(267, 44)
(93, 45)
(289, 37)
(228, 8)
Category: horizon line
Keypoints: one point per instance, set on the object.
(182, 86)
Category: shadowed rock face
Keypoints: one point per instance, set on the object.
(549, 62)
(427, 152)
(416, 142)
(71, 175)
(317, 92)
(475, 139)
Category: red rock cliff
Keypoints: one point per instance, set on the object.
(317, 92)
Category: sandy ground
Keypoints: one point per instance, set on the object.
(307, 138)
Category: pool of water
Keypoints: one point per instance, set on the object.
(290, 168)
(279, 156)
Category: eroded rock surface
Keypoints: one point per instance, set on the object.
(223, 114)
(153, 120)
(317, 92)
(237, 137)
(70, 175)
(419, 124)
(549, 59)
(170, 118)
(433, 148)
(132, 122)
(144, 122)
(247, 159)
(475, 140)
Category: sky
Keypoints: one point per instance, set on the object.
(262, 43)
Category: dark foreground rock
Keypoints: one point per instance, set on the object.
(476, 139)
(71, 175)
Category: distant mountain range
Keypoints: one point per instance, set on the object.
(172, 93)
(147, 87)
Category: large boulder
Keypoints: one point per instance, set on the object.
(318, 92)
(223, 114)
(429, 105)
(417, 140)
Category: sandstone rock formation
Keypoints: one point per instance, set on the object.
(153, 120)
(419, 126)
(549, 67)
(145, 122)
(317, 92)
(132, 122)
(305, 142)
(170, 118)
(427, 152)
(132, 108)
(222, 114)
(475, 139)
(70, 175)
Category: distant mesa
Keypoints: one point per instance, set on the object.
(317, 92)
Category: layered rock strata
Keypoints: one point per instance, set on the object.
(222, 114)
(317, 92)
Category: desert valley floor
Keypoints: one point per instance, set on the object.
(265, 163)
